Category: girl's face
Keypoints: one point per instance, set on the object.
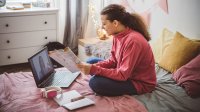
(109, 26)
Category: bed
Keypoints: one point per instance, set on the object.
(20, 94)
(178, 81)
(168, 96)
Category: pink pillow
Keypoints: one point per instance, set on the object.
(188, 77)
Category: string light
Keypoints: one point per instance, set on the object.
(101, 33)
(92, 13)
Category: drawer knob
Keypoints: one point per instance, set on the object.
(9, 57)
(45, 22)
(46, 37)
(7, 25)
(8, 41)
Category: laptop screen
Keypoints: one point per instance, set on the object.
(41, 65)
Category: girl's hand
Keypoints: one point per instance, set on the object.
(85, 68)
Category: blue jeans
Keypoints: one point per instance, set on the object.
(93, 60)
(109, 87)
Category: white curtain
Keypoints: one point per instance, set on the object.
(76, 20)
(61, 5)
(94, 10)
(72, 21)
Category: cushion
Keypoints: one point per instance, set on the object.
(188, 76)
(163, 41)
(179, 52)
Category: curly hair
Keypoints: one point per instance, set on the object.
(133, 21)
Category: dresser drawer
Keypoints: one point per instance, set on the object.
(27, 23)
(26, 39)
(13, 56)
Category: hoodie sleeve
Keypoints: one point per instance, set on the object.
(124, 69)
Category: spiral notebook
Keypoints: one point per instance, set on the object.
(66, 100)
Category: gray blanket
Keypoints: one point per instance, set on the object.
(168, 96)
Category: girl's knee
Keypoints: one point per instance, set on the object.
(95, 84)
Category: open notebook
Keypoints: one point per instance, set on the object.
(73, 100)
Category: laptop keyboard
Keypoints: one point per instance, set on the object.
(60, 78)
(54, 80)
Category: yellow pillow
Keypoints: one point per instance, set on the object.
(179, 52)
(163, 41)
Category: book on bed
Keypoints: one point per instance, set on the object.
(73, 100)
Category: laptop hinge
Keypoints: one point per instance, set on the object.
(45, 82)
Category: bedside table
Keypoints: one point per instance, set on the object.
(82, 43)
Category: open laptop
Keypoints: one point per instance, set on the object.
(44, 73)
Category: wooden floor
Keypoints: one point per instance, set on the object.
(24, 67)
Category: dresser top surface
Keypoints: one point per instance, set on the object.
(27, 11)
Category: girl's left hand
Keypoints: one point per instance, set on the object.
(85, 68)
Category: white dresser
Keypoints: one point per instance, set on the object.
(24, 32)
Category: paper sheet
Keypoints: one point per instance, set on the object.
(66, 58)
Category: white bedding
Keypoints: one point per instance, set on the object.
(100, 50)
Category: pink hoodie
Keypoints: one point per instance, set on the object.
(131, 58)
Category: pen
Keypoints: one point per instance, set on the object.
(77, 98)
